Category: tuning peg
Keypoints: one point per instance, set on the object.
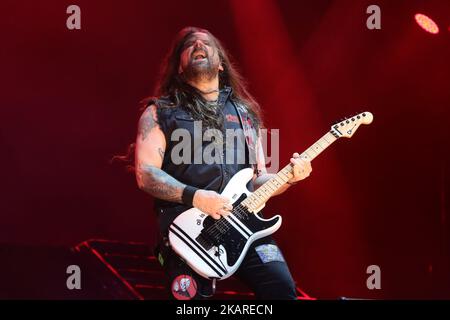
(335, 123)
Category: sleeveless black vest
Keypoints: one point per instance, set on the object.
(204, 166)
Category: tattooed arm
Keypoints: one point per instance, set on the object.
(150, 148)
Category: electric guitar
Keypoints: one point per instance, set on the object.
(215, 248)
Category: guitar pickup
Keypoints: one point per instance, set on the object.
(205, 243)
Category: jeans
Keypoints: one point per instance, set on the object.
(263, 270)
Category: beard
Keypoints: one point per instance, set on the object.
(202, 69)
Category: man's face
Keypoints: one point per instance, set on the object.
(199, 58)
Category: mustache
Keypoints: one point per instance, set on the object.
(199, 49)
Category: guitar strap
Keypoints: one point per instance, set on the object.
(251, 136)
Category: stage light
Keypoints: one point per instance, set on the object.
(426, 23)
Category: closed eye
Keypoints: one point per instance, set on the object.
(191, 43)
(188, 44)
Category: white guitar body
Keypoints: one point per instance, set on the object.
(214, 262)
(216, 248)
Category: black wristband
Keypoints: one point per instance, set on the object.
(188, 195)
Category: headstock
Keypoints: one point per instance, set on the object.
(347, 127)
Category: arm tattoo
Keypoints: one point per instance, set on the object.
(159, 184)
(146, 123)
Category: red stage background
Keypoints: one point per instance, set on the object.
(69, 102)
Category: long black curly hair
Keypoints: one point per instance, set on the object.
(173, 85)
(177, 92)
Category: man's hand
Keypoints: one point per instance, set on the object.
(301, 170)
(212, 203)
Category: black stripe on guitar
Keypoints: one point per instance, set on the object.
(200, 248)
(238, 225)
(205, 254)
(194, 250)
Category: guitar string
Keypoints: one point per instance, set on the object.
(222, 225)
(225, 224)
(243, 211)
(239, 209)
(215, 229)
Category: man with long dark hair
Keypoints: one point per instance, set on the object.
(199, 84)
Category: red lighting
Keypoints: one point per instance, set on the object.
(426, 23)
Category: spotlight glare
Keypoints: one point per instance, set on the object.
(426, 23)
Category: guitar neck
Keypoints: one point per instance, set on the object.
(264, 192)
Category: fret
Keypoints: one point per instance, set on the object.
(268, 187)
(250, 199)
(273, 184)
(255, 200)
(309, 156)
(325, 138)
(284, 175)
(260, 193)
(329, 138)
(264, 192)
(321, 142)
(288, 171)
(277, 178)
(261, 196)
(317, 147)
(316, 150)
(314, 153)
(283, 180)
(264, 189)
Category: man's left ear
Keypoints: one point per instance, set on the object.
(220, 67)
